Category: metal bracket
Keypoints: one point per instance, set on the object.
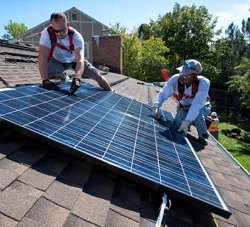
(149, 85)
(166, 205)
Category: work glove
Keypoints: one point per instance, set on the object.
(184, 127)
(50, 85)
(75, 84)
(156, 112)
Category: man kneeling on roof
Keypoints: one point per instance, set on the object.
(191, 91)
(61, 47)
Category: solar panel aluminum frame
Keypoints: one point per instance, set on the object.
(136, 176)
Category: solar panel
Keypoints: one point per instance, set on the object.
(116, 131)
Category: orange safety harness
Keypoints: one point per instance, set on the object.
(54, 43)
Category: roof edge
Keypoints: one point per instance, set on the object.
(228, 153)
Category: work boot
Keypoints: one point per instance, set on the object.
(202, 141)
(205, 135)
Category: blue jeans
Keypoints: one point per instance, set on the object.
(199, 122)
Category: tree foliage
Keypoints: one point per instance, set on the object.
(144, 31)
(14, 29)
(132, 55)
(143, 60)
(241, 82)
(153, 60)
(117, 29)
(227, 53)
(187, 31)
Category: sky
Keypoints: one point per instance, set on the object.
(129, 13)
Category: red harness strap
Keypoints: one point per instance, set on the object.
(54, 43)
(181, 89)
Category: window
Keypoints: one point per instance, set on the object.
(74, 16)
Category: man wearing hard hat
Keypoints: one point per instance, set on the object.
(214, 124)
(191, 91)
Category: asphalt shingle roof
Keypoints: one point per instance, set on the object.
(42, 186)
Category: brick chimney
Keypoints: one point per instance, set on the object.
(107, 51)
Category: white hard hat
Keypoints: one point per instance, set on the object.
(190, 66)
(213, 114)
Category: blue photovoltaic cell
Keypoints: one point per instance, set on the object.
(116, 130)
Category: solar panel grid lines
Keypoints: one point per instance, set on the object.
(16, 105)
(76, 119)
(183, 171)
(157, 153)
(114, 130)
(7, 97)
(137, 130)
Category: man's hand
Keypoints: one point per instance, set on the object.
(50, 85)
(156, 112)
(184, 127)
(74, 85)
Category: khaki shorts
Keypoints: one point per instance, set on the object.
(57, 68)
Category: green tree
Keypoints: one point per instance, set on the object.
(117, 29)
(153, 52)
(144, 31)
(143, 60)
(241, 82)
(246, 31)
(132, 55)
(218, 65)
(187, 31)
(14, 29)
(226, 53)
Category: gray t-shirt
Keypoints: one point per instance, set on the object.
(59, 54)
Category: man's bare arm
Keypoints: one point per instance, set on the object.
(43, 61)
(79, 55)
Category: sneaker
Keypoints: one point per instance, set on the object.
(202, 141)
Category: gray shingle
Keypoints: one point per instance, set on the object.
(46, 170)
(75, 221)
(7, 177)
(126, 200)
(47, 213)
(17, 199)
(77, 172)
(115, 219)
(63, 194)
(6, 221)
(29, 154)
(235, 200)
(92, 208)
(8, 164)
(37, 179)
(93, 204)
